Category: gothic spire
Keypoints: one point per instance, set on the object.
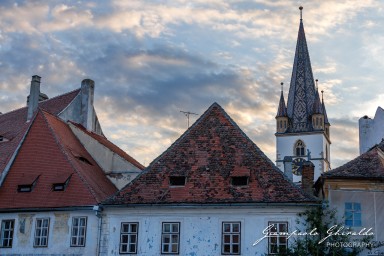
(302, 93)
(282, 110)
(317, 105)
(324, 111)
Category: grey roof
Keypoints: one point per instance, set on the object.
(282, 110)
(301, 97)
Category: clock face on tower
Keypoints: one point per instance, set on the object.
(297, 166)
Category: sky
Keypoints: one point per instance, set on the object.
(152, 59)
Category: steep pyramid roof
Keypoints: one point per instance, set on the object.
(282, 109)
(301, 95)
(13, 124)
(51, 154)
(209, 154)
(326, 121)
(369, 165)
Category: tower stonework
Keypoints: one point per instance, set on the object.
(307, 134)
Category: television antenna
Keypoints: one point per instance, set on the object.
(187, 114)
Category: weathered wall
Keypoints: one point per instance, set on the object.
(200, 227)
(60, 226)
(117, 169)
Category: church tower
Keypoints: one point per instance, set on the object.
(302, 126)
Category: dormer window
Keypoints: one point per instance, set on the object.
(177, 180)
(61, 182)
(240, 181)
(27, 184)
(1, 138)
(84, 160)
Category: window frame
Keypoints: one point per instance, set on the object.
(171, 233)
(231, 233)
(40, 244)
(78, 236)
(278, 243)
(10, 231)
(129, 234)
(354, 211)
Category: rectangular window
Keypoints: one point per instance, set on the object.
(170, 238)
(231, 238)
(239, 180)
(277, 242)
(41, 233)
(128, 237)
(353, 214)
(79, 230)
(177, 180)
(6, 235)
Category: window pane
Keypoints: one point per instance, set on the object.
(357, 206)
(132, 248)
(357, 223)
(235, 248)
(227, 239)
(175, 228)
(124, 239)
(174, 247)
(133, 239)
(133, 228)
(227, 248)
(227, 227)
(282, 227)
(348, 206)
(236, 227)
(348, 223)
(125, 228)
(166, 248)
(166, 239)
(124, 248)
(235, 239)
(167, 228)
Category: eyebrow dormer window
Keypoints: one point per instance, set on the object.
(61, 183)
(27, 186)
(177, 180)
(240, 181)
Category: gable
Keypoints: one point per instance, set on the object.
(209, 154)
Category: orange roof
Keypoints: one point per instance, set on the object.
(50, 150)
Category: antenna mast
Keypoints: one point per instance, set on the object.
(187, 114)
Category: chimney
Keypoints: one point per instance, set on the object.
(33, 96)
(288, 167)
(308, 172)
(87, 91)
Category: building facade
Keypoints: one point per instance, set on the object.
(212, 192)
(302, 126)
(54, 174)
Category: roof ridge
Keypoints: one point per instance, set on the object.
(43, 101)
(65, 153)
(12, 157)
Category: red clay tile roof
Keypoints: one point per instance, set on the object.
(209, 153)
(51, 150)
(13, 125)
(104, 141)
(369, 165)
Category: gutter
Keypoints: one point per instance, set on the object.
(51, 209)
(216, 205)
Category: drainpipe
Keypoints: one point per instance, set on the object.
(98, 210)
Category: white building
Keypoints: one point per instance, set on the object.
(371, 131)
(302, 126)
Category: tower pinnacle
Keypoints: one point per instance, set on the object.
(301, 12)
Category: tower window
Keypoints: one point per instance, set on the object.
(317, 121)
(300, 148)
(281, 124)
